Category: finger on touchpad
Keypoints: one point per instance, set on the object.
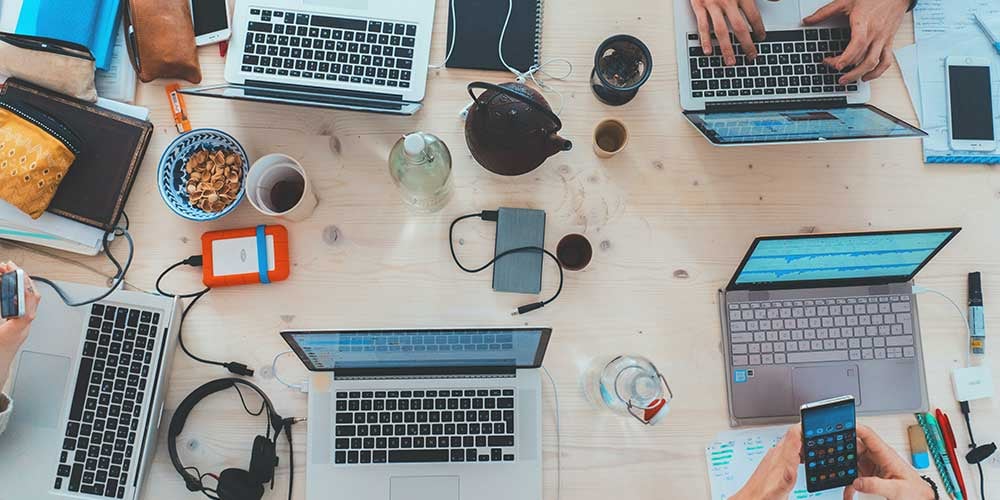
(809, 7)
(424, 488)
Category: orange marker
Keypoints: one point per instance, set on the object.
(179, 109)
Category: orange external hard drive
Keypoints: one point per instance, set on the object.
(245, 256)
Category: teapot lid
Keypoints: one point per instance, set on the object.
(515, 94)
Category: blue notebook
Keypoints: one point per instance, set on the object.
(92, 23)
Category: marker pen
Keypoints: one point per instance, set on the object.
(977, 322)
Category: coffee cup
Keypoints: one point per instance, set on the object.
(574, 252)
(610, 137)
(278, 186)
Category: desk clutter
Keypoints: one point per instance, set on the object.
(809, 322)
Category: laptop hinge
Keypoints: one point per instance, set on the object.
(430, 372)
(775, 104)
(308, 89)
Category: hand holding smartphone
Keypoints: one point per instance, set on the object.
(12, 301)
(829, 443)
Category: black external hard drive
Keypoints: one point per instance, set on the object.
(519, 272)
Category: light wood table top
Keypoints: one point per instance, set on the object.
(669, 219)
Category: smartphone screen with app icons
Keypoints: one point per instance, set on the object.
(829, 443)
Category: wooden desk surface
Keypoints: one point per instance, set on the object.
(669, 219)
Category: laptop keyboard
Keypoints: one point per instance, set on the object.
(110, 390)
(810, 331)
(788, 63)
(333, 49)
(456, 425)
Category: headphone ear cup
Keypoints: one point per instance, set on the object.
(238, 484)
(263, 460)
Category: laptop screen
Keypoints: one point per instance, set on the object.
(401, 349)
(837, 259)
(795, 125)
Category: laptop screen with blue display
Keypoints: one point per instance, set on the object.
(797, 125)
(401, 349)
(835, 258)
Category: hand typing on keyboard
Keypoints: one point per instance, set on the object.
(741, 15)
(873, 28)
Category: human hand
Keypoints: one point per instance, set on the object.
(883, 472)
(776, 475)
(14, 331)
(741, 14)
(873, 28)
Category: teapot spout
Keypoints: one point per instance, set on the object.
(558, 143)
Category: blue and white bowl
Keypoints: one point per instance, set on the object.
(172, 177)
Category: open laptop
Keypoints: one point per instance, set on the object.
(363, 55)
(787, 94)
(809, 317)
(88, 395)
(424, 414)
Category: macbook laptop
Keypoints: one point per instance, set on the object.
(423, 414)
(88, 393)
(809, 317)
(363, 55)
(784, 95)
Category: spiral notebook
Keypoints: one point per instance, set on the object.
(479, 23)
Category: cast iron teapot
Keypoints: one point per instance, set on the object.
(511, 129)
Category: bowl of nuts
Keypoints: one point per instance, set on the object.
(202, 174)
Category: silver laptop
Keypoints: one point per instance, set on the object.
(424, 414)
(88, 395)
(809, 317)
(363, 55)
(786, 94)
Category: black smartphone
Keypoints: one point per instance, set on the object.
(829, 443)
(12, 294)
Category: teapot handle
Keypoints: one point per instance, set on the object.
(516, 95)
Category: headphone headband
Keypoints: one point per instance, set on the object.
(192, 400)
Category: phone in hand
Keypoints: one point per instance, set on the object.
(970, 104)
(829, 443)
(211, 21)
(12, 294)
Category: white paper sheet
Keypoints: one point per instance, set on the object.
(734, 456)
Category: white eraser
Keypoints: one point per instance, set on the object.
(972, 383)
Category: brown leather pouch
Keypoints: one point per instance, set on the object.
(160, 40)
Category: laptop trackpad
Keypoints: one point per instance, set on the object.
(424, 488)
(817, 383)
(38, 389)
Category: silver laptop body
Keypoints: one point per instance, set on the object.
(362, 55)
(785, 96)
(809, 317)
(498, 374)
(39, 456)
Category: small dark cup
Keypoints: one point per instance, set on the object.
(574, 252)
(622, 64)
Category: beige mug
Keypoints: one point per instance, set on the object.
(610, 137)
(278, 186)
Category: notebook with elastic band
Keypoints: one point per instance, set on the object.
(477, 25)
(111, 149)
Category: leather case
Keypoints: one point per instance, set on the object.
(112, 146)
(54, 64)
(160, 40)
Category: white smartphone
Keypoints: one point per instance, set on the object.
(970, 104)
(211, 21)
(12, 303)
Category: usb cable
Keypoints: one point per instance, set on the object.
(493, 216)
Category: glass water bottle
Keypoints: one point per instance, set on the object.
(420, 165)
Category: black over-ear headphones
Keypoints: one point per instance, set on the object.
(234, 484)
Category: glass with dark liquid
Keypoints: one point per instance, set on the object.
(277, 185)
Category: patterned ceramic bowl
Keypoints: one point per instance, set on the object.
(173, 177)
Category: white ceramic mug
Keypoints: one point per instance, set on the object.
(283, 171)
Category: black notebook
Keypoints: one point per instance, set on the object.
(478, 36)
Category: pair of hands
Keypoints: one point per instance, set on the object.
(881, 470)
(873, 28)
(13, 332)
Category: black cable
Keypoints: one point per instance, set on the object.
(288, 423)
(492, 215)
(196, 261)
(120, 271)
(966, 411)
